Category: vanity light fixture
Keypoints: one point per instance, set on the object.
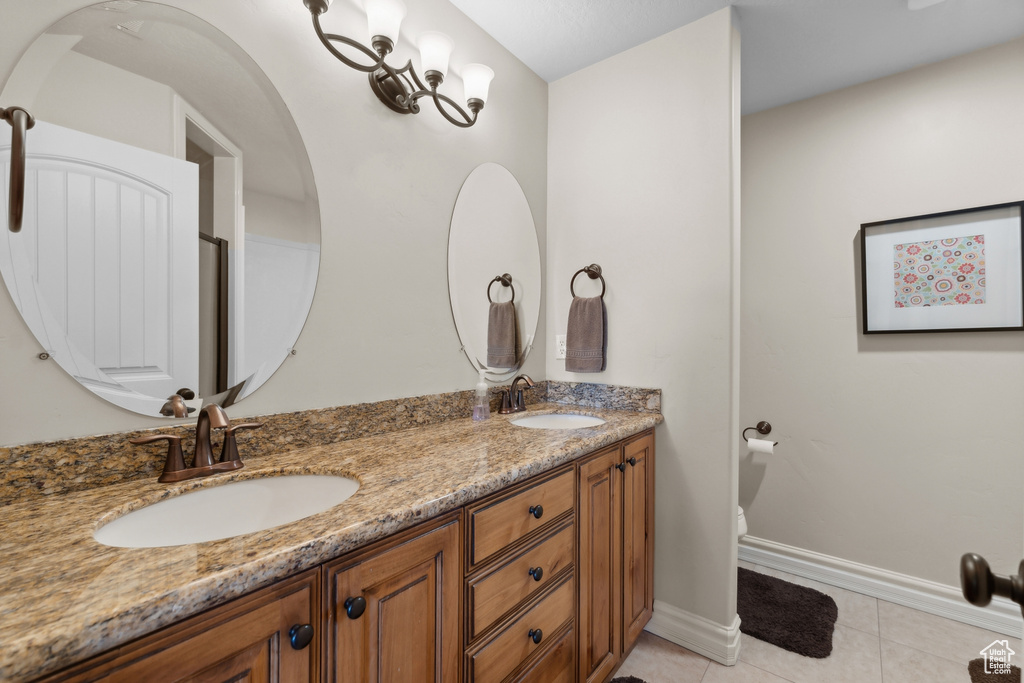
(401, 89)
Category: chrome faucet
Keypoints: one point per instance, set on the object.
(212, 416)
(512, 400)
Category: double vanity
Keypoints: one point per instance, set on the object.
(356, 542)
(477, 551)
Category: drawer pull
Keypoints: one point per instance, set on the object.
(300, 635)
(621, 467)
(632, 462)
(535, 635)
(537, 511)
(354, 607)
(537, 573)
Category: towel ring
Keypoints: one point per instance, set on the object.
(593, 271)
(506, 281)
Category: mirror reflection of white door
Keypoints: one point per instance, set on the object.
(124, 220)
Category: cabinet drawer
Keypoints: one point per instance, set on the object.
(496, 593)
(557, 665)
(513, 645)
(496, 524)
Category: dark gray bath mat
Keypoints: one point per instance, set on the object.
(977, 670)
(795, 618)
(627, 679)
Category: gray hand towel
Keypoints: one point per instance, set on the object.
(502, 336)
(586, 336)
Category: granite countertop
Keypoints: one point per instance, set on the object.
(65, 597)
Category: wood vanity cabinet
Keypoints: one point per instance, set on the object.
(616, 553)
(393, 610)
(521, 584)
(547, 581)
(248, 639)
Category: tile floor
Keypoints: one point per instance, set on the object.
(874, 642)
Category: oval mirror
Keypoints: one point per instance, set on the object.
(171, 239)
(494, 280)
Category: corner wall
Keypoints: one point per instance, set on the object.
(387, 185)
(900, 452)
(643, 180)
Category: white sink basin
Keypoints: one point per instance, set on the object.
(558, 421)
(240, 507)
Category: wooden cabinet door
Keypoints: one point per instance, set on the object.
(246, 640)
(600, 565)
(637, 538)
(409, 627)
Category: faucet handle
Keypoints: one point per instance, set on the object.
(229, 459)
(174, 466)
(506, 401)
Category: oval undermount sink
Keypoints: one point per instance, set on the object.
(233, 509)
(558, 421)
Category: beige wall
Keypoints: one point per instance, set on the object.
(642, 180)
(380, 326)
(896, 451)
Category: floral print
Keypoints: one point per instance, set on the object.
(956, 259)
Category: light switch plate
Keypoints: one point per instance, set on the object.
(559, 347)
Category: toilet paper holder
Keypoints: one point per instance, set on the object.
(763, 427)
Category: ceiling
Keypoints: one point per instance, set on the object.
(791, 49)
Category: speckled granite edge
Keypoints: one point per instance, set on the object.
(51, 560)
(69, 465)
(606, 396)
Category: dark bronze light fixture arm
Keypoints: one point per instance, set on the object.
(395, 87)
(400, 89)
(21, 121)
(326, 39)
(438, 97)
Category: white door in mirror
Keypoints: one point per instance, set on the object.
(118, 218)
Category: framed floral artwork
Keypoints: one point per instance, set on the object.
(944, 272)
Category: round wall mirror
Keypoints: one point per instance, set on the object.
(494, 280)
(171, 235)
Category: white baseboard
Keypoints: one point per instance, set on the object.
(696, 633)
(1002, 615)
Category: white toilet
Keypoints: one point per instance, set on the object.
(741, 525)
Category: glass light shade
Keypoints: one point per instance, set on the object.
(435, 49)
(384, 18)
(476, 79)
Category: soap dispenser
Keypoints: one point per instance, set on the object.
(481, 402)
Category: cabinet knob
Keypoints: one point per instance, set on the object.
(621, 467)
(535, 635)
(301, 635)
(537, 511)
(537, 573)
(632, 462)
(354, 607)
